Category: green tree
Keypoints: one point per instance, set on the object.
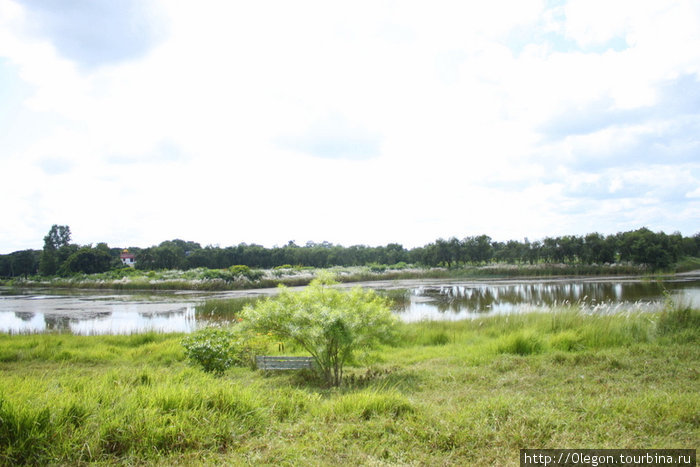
(598, 249)
(23, 263)
(643, 246)
(329, 323)
(88, 260)
(57, 238)
(166, 256)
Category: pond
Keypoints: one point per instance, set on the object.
(126, 313)
(456, 301)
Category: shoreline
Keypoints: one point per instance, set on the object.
(183, 287)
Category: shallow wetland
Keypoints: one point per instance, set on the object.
(114, 312)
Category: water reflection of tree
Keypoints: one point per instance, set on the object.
(459, 299)
(63, 322)
(483, 298)
(25, 315)
(57, 323)
(164, 314)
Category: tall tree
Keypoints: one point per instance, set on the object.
(58, 237)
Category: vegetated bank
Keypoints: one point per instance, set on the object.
(242, 277)
(444, 393)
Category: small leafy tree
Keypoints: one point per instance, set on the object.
(327, 322)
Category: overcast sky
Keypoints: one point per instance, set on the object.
(138, 121)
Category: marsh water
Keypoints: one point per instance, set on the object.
(88, 312)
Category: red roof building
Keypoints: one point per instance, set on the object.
(127, 258)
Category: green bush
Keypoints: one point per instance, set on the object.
(245, 271)
(217, 349)
(223, 274)
(374, 267)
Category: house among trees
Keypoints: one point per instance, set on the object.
(127, 258)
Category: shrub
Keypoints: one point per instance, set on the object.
(217, 349)
(222, 274)
(374, 267)
(245, 271)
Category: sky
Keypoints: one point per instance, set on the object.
(366, 122)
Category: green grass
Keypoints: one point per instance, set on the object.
(446, 393)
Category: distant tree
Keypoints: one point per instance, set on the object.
(57, 238)
(477, 249)
(691, 245)
(167, 256)
(48, 263)
(88, 260)
(534, 251)
(5, 267)
(170, 257)
(202, 258)
(597, 249)
(185, 246)
(512, 252)
(24, 263)
(444, 252)
(643, 246)
(570, 247)
(393, 253)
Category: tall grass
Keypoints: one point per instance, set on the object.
(445, 393)
(223, 309)
(119, 415)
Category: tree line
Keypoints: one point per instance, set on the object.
(59, 256)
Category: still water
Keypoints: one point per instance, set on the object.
(117, 313)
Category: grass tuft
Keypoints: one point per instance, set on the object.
(367, 404)
(520, 343)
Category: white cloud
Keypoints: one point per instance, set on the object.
(441, 123)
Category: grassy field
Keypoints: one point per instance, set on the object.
(446, 393)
